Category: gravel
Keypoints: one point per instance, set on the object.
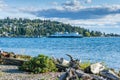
(10, 72)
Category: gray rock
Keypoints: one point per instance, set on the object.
(64, 62)
(96, 68)
(109, 75)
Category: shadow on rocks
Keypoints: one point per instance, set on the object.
(13, 71)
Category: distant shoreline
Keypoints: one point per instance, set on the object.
(61, 37)
(43, 28)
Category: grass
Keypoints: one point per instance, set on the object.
(84, 65)
(1, 73)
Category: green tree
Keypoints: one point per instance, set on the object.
(87, 34)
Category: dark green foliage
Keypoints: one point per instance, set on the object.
(39, 64)
(39, 28)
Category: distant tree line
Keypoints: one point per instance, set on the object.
(40, 28)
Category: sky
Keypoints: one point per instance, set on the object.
(100, 15)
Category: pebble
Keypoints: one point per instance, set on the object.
(10, 72)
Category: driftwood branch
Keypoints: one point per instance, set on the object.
(74, 73)
(12, 61)
(74, 63)
(71, 58)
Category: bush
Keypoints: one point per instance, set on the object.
(39, 64)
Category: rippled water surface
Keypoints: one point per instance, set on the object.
(94, 49)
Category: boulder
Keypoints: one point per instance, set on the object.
(64, 62)
(96, 68)
(4, 54)
(109, 74)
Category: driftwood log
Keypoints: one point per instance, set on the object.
(73, 72)
(63, 65)
(74, 63)
(69, 75)
(12, 61)
(109, 75)
(61, 68)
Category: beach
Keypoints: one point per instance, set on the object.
(11, 72)
(45, 68)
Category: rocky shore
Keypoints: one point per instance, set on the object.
(10, 72)
(13, 68)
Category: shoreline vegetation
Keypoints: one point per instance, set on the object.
(27, 28)
(42, 67)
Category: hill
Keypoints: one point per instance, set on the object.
(41, 28)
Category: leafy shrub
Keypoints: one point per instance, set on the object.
(84, 65)
(39, 64)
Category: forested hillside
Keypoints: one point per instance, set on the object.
(40, 28)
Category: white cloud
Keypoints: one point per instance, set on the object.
(29, 9)
(2, 5)
(110, 21)
(75, 5)
(72, 5)
(12, 12)
(54, 3)
(88, 1)
(109, 18)
(16, 15)
(109, 24)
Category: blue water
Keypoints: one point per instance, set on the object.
(94, 49)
